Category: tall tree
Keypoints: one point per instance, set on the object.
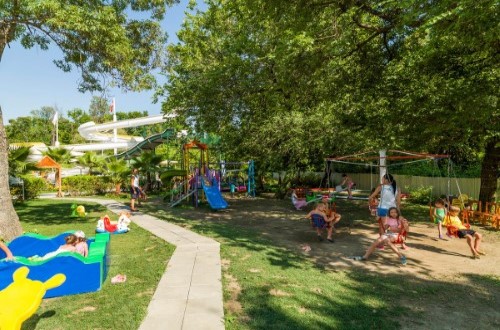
(9, 221)
(349, 75)
(98, 38)
(99, 109)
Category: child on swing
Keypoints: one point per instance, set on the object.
(452, 219)
(328, 222)
(439, 214)
(393, 226)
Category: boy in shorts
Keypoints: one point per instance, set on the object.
(452, 219)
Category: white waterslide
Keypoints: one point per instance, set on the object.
(98, 132)
(103, 140)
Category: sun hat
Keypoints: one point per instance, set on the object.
(80, 234)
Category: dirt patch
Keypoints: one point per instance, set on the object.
(428, 257)
(85, 309)
(430, 260)
(232, 304)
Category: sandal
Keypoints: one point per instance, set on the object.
(330, 240)
(358, 258)
(119, 279)
(403, 260)
(481, 253)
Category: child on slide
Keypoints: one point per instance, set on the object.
(70, 240)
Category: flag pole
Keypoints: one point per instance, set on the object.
(114, 129)
(55, 121)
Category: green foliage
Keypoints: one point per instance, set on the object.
(33, 187)
(310, 180)
(287, 84)
(91, 160)
(97, 37)
(18, 161)
(81, 185)
(420, 195)
(60, 155)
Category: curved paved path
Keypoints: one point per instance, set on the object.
(189, 294)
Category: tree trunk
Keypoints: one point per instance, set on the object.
(10, 226)
(118, 188)
(490, 170)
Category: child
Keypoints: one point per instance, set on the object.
(232, 188)
(452, 219)
(81, 245)
(347, 181)
(439, 214)
(7, 251)
(319, 226)
(393, 226)
(297, 202)
(332, 216)
(373, 204)
(70, 240)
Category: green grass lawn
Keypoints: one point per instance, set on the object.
(138, 254)
(266, 284)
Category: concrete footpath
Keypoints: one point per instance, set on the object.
(189, 294)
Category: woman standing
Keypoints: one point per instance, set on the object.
(389, 197)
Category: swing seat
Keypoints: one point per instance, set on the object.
(453, 231)
(401, 237)
(460, 201)
(491, 213)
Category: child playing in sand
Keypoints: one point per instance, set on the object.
(439, 214)
(452, 219)
(81, 245)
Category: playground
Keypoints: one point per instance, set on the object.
(270, 244)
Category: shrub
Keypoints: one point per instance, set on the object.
(80, 185)
(33, 187)
(420, 195)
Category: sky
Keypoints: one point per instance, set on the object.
(30, 80)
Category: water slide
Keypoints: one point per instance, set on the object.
(214, 196)
(98, 133)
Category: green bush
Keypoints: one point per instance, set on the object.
(310, 180)
(420, 195)
(81, 185)
(33, 187)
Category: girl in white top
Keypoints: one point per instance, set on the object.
(389, 197)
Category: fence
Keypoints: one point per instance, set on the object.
(440, 186)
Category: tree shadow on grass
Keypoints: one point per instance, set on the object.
(31, 323)
(58, 213)
(368, 301)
